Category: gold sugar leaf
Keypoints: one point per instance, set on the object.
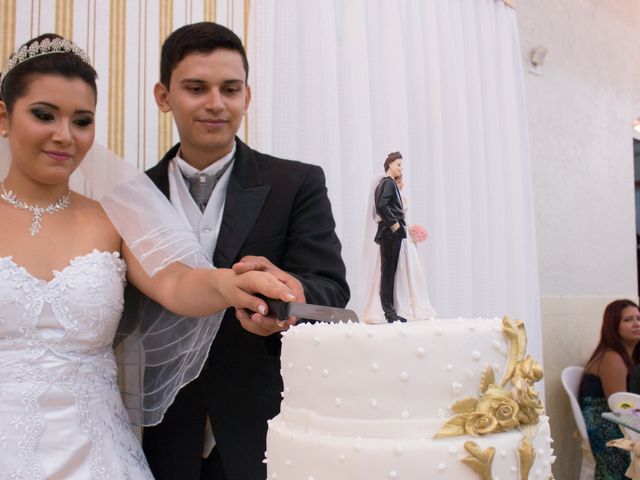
(509, 330)
(522, 339)
(453, 428)
(488, 377)
(526, 456)
(466, 405)
(480, 460)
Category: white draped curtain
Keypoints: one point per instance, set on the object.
(343, 83)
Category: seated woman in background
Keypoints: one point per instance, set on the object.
(608, 371)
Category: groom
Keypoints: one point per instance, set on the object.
(391, 231)
(264, 212)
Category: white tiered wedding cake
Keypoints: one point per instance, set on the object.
(436, 399)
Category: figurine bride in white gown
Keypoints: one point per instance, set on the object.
(63, 265)
(410, 292)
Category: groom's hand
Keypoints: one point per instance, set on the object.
(255, 322)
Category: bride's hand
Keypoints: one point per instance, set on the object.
(238, 290)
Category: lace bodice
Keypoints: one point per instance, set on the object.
(76, 312)
(60, 410)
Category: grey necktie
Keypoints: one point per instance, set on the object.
(201, 186)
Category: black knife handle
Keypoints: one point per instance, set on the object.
(276, 307)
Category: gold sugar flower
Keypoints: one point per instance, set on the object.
(529, 369)
(480, 424)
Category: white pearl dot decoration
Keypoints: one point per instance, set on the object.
(442, 467)
(456, 388)
(453, 450)
(503, 453)
(405, 415)
(325, 373)
(374, 403)
(289, 365)
(441, 412)
(342, 458)
(420, 352)
(274, 475)
(541, 451)
(404, 376)
(449, 367)
(398, 450)
(513, 468)
(476, 355)
(338, 402)
(375, 367)
(287, 463)
(393, 474)
(309, 368)
(439, 332)
(287, 389)
(316, 340)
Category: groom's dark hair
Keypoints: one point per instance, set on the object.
(202, 37)
(392, 157)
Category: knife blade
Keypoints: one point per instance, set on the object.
(283, 310)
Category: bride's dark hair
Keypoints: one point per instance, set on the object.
(66, 64)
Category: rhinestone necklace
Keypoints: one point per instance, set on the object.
(62, 203)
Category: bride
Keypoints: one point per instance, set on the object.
(410, 293)
(63, 266)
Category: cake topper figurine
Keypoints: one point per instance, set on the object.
(392, 230)
(395, 288)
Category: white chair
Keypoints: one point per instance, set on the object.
(571, 378)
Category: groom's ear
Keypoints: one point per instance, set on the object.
(161, 93)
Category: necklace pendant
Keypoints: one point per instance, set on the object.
(36, 224)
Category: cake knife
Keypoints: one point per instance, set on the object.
(283, 310)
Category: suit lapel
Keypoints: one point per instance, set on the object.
(160, 173)
(246, 195)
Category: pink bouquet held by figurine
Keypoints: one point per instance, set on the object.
(418, 233)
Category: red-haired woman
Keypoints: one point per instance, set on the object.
(608, 371)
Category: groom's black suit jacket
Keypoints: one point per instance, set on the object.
(389, 208)
(278, 209)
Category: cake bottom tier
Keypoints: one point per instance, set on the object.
(296, 454)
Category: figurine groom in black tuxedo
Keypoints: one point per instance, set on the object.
(392, 229)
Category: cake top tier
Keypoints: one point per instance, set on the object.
(414, 370)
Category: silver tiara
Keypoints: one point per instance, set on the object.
(45, 47)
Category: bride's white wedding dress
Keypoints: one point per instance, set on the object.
(410, 291)
(61, 415)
